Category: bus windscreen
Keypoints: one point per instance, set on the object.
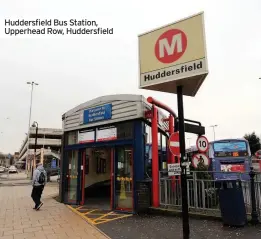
(230, 149)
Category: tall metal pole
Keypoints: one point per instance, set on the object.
(29, 124)
(35, 124)
(185, 215)
(254, 214)
(214, 133)
(155, 157)
(171, 156)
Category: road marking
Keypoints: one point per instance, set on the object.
(117, 218)
(90, 211)
(99, 217)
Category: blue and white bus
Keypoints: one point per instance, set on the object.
(227, 155)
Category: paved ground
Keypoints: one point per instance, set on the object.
(155, 227)
(19, 221)
(21, 178)
(12, 176)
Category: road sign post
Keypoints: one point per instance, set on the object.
(185, 217)
(173, 59)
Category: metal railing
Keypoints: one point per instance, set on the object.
(203, 193)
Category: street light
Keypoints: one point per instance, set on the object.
(32, 83)
(35, 125)
(213, 126)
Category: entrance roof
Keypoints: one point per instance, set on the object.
(124, 107)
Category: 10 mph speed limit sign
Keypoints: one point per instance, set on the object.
(202, 144)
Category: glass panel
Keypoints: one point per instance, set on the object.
(72, 138)
(72, 175)
(125, 130)
(124, 177)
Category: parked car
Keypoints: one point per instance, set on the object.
(2, 169)
(12, 169)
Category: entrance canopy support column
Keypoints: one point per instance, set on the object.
(155, 153)
(155, 158)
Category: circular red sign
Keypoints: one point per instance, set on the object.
(174, 144)
(170, 46)
(196, 159)
(202, 144)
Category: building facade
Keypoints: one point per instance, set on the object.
(104, 150)
(6, 160)
(47, 145)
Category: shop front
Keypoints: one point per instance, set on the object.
(103, 152)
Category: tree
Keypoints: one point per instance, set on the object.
(254, 142)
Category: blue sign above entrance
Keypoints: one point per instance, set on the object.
(103, 112)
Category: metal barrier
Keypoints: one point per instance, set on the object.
(203, 193)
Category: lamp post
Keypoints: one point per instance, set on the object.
(32, 83)
(213, 126)
(35, 125)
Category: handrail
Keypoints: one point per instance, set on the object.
(161, 105)
(151, 100)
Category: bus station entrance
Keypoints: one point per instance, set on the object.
(104, 154)
(103, 179)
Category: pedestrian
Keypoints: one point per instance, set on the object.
(38, 183)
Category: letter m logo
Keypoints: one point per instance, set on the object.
(164, 45)
(170, 46)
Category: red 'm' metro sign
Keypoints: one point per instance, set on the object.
(173, 55)
(170, 46)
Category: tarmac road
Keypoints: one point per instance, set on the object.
(164, 227)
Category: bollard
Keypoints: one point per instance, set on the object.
(254, 214)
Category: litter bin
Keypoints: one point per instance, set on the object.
(231, 202)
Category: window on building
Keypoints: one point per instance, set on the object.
(162, 151)
(125, 130)
(72, 138)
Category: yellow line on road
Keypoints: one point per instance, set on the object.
(77, 208)
(108, 220)
(80, 214)
(104, 215)
(101, 218)
(87, 220)
(90, 211)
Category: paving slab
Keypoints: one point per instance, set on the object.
(53, 220)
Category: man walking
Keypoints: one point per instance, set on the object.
(39, 181)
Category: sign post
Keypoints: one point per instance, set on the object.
(184, 186)
(173, 59)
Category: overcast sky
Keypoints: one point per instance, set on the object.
(72, 70)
